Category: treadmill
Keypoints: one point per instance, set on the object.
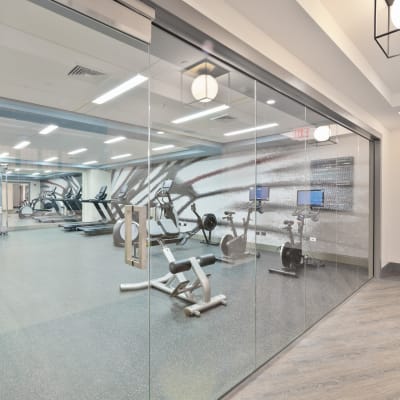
(107, 228)
(96, 201)
(68, 200)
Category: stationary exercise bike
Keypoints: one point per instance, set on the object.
(309, 203)
(233, 245)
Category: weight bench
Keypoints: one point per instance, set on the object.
(174, 282)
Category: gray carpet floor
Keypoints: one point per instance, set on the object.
(66, 332)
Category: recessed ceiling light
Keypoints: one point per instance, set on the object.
(120, 156)
(77, 151)
(270, 102)
(255, 128)
(167, 146)
(200, 114)
(160, 132)
(50, 159)
(90, 162)
(36, 174)
(4, 154)
(47, 171)
(120, 89)
(48, 129)
(17, 169)
(115, 140)
(22, 145)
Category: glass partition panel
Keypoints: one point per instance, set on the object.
(202, 179)
(323, 158)
(66, 330)
(336, 241)
(281, 166)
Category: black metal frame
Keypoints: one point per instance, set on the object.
(387, 34)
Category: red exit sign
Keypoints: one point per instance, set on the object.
(302, 133)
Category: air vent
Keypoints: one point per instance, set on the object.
(79, 70)
(223, 118)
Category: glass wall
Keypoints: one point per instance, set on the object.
(66, 331)
(257, 218)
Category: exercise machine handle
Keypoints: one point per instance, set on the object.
(186, 264)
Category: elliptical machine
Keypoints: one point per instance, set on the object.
(309, 203)
(233, 245)
(47, 201)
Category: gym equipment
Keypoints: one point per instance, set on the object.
(207, 223)
(96, 201)
(3, 210)
(72, 204)
(119, 226)
(161, 231)
(309, 203)
(233, 245)
(163, 202)
(108, 227)
(47, 200)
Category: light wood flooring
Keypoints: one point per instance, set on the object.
(354, 353)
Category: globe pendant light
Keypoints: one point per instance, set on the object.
(204, 88)
(322, 133)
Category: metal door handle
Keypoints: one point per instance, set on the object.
(140, 260)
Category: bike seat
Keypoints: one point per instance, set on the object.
(288, 222)
(229, 213)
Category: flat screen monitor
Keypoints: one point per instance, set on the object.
(259, 193)
(310, 198)
(166, 185)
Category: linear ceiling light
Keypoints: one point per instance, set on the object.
(120, 156)
(200, 114)
(77, 151)
(36, 174)
(47, 171)
(48, 129)
(167, 146)
(247, 130)
(4, 154)
(115, 140)
(22, 145)
(124, 87)
(17, 169)
(90, 162)
(50, 159)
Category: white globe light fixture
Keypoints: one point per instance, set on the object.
(204, 88)
(322, 133)
(395, 14)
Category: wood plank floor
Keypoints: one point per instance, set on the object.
(354, 353)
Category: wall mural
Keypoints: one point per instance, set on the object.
(220, 183)
(62, 184)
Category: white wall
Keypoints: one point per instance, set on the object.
(10, 196)
(34, 189)
(390, 198)
(92, 180)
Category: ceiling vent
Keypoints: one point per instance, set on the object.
(79, 70)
